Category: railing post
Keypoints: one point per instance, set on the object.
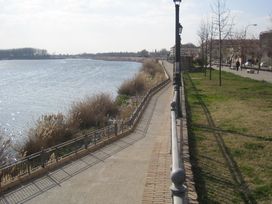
(94, 138)
(108, 131)
(57, 154)
(178, 188)
(28, 165)
(85, 142)
(43, 158)
(116, 129)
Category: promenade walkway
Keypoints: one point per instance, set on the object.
(134, 169)
(261, 76)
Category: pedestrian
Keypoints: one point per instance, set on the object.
(237, 65)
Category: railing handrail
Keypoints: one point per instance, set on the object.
(177, 172)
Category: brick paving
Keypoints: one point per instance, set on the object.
(157, 181)
(157, 187)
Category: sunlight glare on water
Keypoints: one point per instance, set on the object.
(30, 88)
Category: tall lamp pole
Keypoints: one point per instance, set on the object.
(177, 65)
(247, 28)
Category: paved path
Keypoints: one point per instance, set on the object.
(122, 172)
(262, 75)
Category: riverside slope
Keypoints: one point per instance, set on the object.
(117, 173)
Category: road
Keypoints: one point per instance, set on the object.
(261, 76)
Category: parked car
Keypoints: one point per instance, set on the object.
(264, 64)
(248, 63)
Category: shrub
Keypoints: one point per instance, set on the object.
(49, 130)
(122, 100)
(134, 86)
(92, 112)
(4, 148)
(152, 68)
(126, 112)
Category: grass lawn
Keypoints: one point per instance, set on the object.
(230, 131)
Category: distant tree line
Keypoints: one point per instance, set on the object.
(24, 53)
(33, 53)
(143, 53)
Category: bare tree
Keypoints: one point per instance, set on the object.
(223, 26)
(202, 34)
(211, 34)
(207, 34)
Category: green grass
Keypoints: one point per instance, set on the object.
(240, 113)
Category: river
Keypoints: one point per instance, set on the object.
(31, 88)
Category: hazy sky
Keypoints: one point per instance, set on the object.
(76, 26)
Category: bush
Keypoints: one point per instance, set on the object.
(122, 100)
(49, 130)
(4, 148)
(134, 86)
(92, 112)
(152, 68)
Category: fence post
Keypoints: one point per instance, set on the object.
(85, 142)
(28, 165)
(116, 129)
(108, 131)
(122, 127)
(94, 139)
(57, 154)
(43, 158)
(178, 178)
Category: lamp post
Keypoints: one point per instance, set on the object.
(248, 27)
(177, 67)
(245, 36)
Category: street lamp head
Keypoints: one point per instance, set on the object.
(177, 2)
(254, 24)
(180, 28)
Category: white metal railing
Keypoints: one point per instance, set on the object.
(177, 172)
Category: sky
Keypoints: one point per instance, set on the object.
(78, 26)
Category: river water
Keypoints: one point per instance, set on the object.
(30, 88)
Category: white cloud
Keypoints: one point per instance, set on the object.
(86, 25)
(101, 25)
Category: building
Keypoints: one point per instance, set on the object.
(233, 49)
(186, 50)
(266, 47)
(188, 53)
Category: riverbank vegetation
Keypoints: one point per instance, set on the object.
(5, 145)
(48, 130)
(230, 138)
(93, 112)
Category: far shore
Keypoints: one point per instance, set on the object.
(110, 58)
(105, 58)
